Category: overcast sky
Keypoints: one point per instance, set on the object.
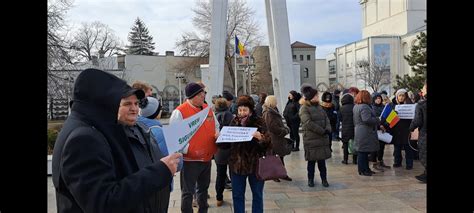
(325, 24)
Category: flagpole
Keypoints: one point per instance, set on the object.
(235, 73)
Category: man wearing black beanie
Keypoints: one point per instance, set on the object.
(199, 151)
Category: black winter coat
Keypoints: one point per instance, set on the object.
(94, 168)
(346, 116)
(400, 132)
(290, 113)
(224, 117)
(420, 120)
(331, 112)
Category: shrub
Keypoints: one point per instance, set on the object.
(52, 135)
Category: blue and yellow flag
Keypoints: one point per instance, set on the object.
(389, 115)
(239, 47)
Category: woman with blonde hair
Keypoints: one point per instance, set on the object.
(276, 129)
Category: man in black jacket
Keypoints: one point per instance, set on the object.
(94, 167)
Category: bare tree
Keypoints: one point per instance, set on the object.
(59, 56)
(374, 75)
(240, 21)
(96, 39)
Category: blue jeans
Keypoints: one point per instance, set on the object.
(238, 192)
(397, 154)
(363, 161)
(321, 167)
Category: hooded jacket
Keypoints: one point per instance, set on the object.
(347, 117)
(290, 113)
(94, 168)
(224, 117)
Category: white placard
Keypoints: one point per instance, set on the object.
(232, 134)
(405, 111)
(178, 134)
(384, 136)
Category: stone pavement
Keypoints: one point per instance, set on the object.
(395, 190)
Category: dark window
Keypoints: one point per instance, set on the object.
(301, 57)
(308, 57)
(294, 57)
(306, 73)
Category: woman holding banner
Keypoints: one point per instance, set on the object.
(244, 156)
(400, 133)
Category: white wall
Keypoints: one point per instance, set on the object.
(392, 17)
(322, 72)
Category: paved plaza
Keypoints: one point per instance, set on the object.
(395, 190)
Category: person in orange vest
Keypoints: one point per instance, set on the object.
(199, 151)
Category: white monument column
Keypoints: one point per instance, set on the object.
(214, 78)
(280, 51)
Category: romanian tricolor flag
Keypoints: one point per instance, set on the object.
(389, 115)
(239, 47)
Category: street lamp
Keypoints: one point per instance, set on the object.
(179, 76)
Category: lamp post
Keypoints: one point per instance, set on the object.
(179, 76)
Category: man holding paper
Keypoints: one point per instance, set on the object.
(200, 149)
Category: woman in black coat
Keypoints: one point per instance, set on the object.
(377, 106)
(292, 118)
(347, 130)
(401, 132)
(331, 112)
(224, 117)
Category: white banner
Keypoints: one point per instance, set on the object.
(177, 135)
(384, 136)
(232, 134)
(405, 111)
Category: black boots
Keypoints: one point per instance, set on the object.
(421, 177)
(344, 161)
(325, 183)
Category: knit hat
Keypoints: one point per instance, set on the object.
(327, 97)
(245, 100)
(308, 92)
(227, 95)
(400, 91)
(192, 89)
(150, 108)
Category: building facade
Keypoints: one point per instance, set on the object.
(305, 55)
(389, 32)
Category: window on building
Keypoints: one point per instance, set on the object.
(121, 65)
(306, 73)
(294, 57)
(308, 57)
(301, 57)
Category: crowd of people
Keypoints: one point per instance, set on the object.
(111, 155)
